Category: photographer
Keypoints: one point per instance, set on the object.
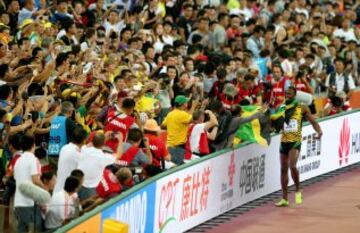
(120, 120)
(223, 117)
(61, 131)
(203, 128)
(339, 80)
(133, 154)
(336, 104)
(301, 82)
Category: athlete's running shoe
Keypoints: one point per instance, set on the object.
(282, 203)
(298, 198)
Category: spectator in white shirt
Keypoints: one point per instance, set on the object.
(339, 81)
(200, 127)
(90, 40)
(113, 23)
(93, 161)
(345, 32)
(69, 157)
(286, 65)
(27, 169)
(62, 206)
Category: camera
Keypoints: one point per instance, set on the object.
(300, 74)
(206, 117)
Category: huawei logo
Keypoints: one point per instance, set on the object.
(231, 171)
(344, 147)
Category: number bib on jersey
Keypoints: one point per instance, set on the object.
(292, 127)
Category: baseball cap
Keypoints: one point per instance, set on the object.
(181, 99)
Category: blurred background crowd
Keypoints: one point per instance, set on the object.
(97, 96)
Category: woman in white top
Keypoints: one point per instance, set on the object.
(167, 36)
(159, 42)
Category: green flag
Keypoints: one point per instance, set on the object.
(257, 131)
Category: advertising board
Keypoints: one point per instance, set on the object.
(137, 210)
(187, 198)
(190, 196)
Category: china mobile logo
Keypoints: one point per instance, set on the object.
(344, 147)
(231, 170)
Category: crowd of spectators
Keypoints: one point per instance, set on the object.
(88, 87)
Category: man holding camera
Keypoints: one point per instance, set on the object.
(204, 128)
(339, 80)
(120, 120)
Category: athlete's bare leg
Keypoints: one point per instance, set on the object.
(293, 157)
(284, 160)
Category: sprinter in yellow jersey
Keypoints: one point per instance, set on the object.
(291, 143)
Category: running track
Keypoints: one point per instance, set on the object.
(330, 206)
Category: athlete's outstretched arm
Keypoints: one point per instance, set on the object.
(312, 121)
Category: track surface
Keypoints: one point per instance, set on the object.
(331, 205)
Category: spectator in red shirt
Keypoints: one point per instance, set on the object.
(279, 84)
(157, 145)
(301, 83)
(249, 90)
(234, 29)
(113, 182)
(133, 154)
(230, 96)
(336, 104)
(219, 85)
(120, 120)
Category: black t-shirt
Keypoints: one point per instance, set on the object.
(151, 15)
(13, 20)
(181, 91)
(67, 41)
(186, 24)
(70, 126)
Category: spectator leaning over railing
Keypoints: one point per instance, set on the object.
(201, 132)
(93, 160)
